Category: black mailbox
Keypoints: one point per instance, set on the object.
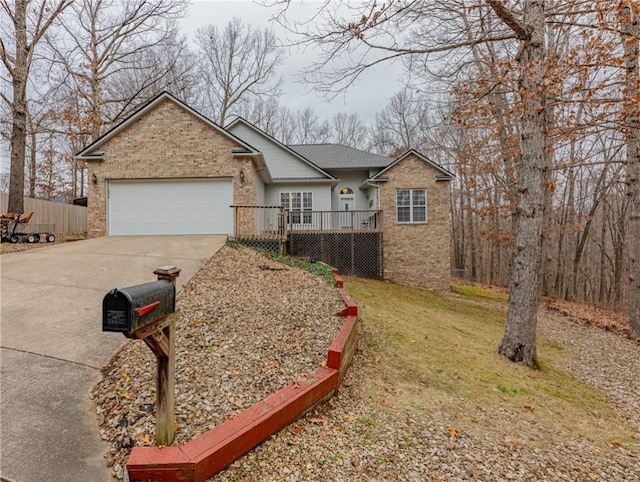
(129, 309)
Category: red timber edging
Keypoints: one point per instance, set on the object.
(343, 347)
(202, 458)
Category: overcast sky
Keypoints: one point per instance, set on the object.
(366, 98)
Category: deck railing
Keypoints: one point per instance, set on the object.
(334, 221)
(263, 222)
(275, 222)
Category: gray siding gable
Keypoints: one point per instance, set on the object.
(281, 161)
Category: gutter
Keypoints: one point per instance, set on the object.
(368, 182)
(96, 156)
(261, 165)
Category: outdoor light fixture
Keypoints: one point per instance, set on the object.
(94, 179)
(241, 175)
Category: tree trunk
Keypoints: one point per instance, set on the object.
(74, 179)
(458, 234)
(570, 221)
(519, 341)
(561, 277)
(32, 163)
(546, 256)
(19, 125)
(82, 183)
(602, 285)
(473, 244)
(630, 32)
(618, 236)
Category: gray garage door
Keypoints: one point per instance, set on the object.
(194, 206)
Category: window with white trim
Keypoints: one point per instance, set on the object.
(297, 203)
(411, 206)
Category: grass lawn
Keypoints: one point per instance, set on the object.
(440, 350)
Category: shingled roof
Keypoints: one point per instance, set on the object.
(338, 156)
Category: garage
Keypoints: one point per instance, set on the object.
(176, 206)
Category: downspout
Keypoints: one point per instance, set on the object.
(377, 186)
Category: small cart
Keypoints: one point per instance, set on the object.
(32, 233)
(16, 227)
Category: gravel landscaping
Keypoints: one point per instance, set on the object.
(250, 325)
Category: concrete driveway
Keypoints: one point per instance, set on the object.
(53, 346)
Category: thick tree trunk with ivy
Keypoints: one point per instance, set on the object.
(519, 341)
(630, 31)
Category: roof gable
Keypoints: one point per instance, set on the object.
(283, 162)
(91, 152)
(443, 174)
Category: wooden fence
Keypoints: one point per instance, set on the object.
(66, 217)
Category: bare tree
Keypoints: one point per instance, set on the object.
(589, 92)
(109, 58)
(52, 180)
(519, 341)
(402, 124)
(169, 66)
(630, 32)
(348, 129)
(109, 43)
(305, 126)
(268, 115)
(308, 128)
(238, 63)
(36, 126)
(27, 28)
(428, 35)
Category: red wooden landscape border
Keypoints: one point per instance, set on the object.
(202, 458)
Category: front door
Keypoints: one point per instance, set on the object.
(347, 204)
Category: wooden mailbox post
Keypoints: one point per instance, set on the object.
(132, 311)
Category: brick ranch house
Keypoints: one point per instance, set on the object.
(167, 169)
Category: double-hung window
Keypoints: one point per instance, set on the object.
(298, 203)
(411, 206)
